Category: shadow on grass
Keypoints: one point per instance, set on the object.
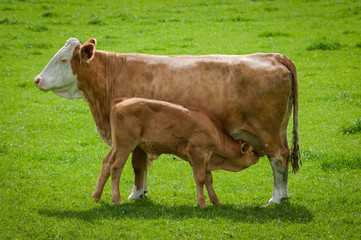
(146, 209)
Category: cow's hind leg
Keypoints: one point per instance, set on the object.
(102, 179)
(279, 163)
(139, 162)
(280, 184)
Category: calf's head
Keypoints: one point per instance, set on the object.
(58, 74)
(249, 155)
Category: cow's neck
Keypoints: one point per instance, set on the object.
(101, 119)
(96, 80)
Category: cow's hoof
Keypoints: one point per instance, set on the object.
(284, 198)
(134, 197)
(137, 196)
(270, 203)
(275, 202)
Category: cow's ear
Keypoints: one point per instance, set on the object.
(87, 51)
(92, 41)
(244, 148)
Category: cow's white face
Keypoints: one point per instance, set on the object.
(58, 75)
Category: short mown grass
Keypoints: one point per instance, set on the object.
(51, 154)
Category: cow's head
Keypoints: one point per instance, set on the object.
(58, 74)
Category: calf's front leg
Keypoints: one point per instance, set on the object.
(197, 161)
(199, 177)
(102, 179)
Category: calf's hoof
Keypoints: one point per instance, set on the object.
(202, 206)
(117, 203)
(137, 194)
(96, 198)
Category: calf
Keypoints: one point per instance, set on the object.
(158, 127)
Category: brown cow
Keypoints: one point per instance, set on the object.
(251, 95)
(158, 127)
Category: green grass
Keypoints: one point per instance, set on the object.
(51, 154)
(324, 44)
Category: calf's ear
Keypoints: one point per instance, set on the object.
(244, 148)
(87, 51)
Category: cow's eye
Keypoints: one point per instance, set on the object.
(63, 60)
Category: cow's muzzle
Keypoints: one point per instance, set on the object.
(38, 83)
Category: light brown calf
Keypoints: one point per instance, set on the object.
(159, 127)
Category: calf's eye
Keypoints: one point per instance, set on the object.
(63, 60)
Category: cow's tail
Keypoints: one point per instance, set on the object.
(295, 156)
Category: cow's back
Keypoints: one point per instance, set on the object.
(233, 88)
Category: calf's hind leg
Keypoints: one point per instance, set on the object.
(117, 162)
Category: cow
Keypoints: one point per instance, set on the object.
(251, 95)
(158, 127)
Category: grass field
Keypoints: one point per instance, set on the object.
(51, 154)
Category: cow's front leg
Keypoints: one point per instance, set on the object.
(280, 178)
(139, 162)
(102, 179)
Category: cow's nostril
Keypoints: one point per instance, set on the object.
(37, 81)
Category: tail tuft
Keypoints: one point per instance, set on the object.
(295, 157)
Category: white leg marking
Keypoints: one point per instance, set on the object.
(136, 194)
(280, 185)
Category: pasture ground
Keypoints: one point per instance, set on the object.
(50, 153)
